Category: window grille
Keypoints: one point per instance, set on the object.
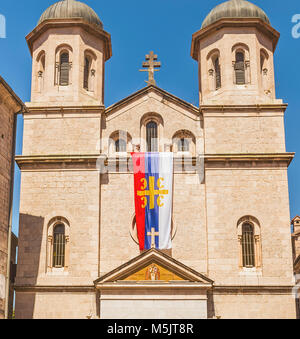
(239, 67)
(248, 246)
(218, 73)
(152, 145)
(183, 145)
(86, 73)
(64, 70)
(121, 145)
(59, 245)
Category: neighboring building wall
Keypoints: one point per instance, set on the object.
(296, 256)
(9, 105)
(296, 241)
(12, 273)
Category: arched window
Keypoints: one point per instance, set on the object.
(249, 235)
(41, 61)
(89, 71)
(239, 67)
(217, 73)
(262, 62)
(152, 137)
(64, 68)
(59, 244)
(119, 142)
(248, 245)
(184, 141)
(183, 145)
(121, 146)
(264, 71)
(86, 73)
(214, 70)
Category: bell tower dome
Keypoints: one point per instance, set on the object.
(234, 49)
(69, 48)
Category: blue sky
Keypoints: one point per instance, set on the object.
(165, 26)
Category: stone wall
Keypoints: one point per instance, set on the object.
(233, 193)
(73, 195)
(61, 134)
(257, 305)
(245, 131)
(6, 130)
(56, 305)
(9, 104)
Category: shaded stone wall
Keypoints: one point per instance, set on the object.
(6, 140)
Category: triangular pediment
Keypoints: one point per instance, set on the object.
(156, 92)
(297, 218)
(154, 266)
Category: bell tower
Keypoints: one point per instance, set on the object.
(234, 49)
(69, 48)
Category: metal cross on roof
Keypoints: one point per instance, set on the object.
(151, 64)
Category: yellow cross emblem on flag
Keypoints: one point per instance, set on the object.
(152, 192)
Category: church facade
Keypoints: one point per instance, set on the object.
(231, 253)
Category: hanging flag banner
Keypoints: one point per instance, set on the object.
(153, 191)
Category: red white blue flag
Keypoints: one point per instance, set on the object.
(153, 190)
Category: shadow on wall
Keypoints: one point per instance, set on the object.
(30, 243)
(210, 305)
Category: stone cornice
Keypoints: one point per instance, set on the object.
(238, 109)
(252, 157)
(243, 289)
(48, 288)
(41, 109)
(152, 285)
(62, 23)
(217, 289)
(89, 161)
(65, 162)
(257, 23)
